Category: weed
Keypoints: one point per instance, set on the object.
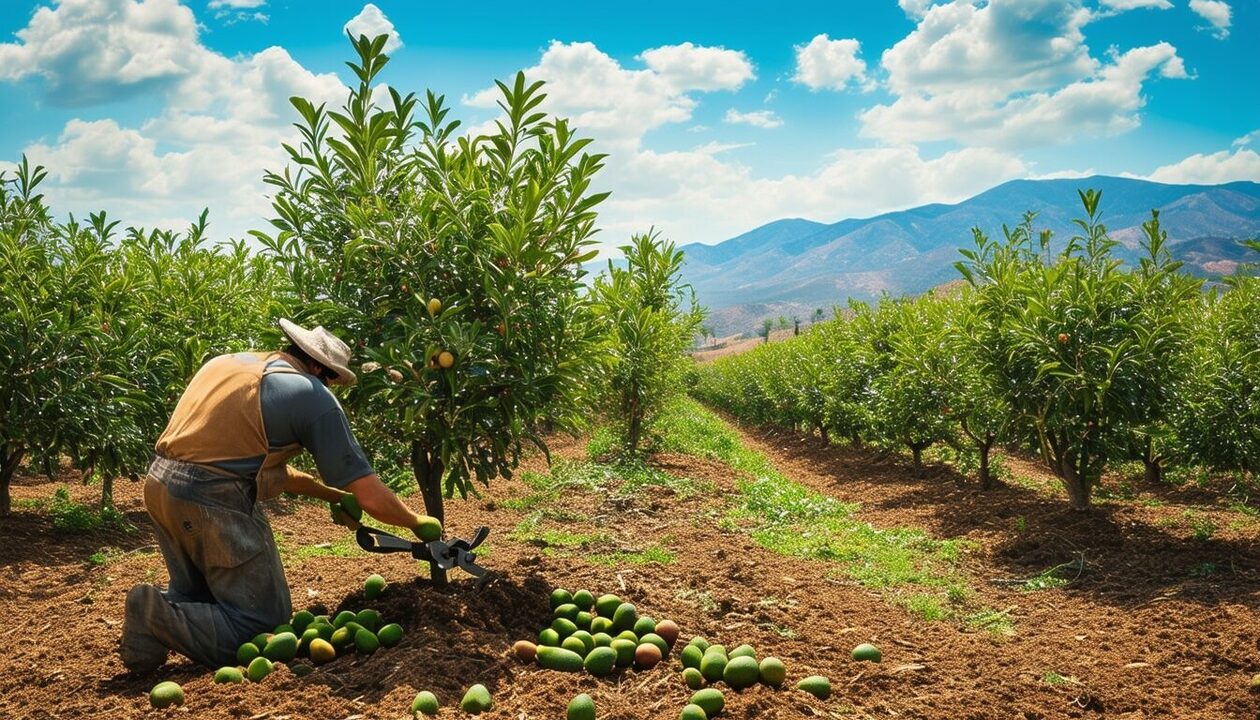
(1055, 679)
(925, 607)
(1204, 569)
(72, 518)
(1021, 524)
(654, 555)
(342, 547)
(786, 633)
(1201, 527)
(701, 599)
(997, 623)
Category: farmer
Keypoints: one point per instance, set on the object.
(241, 418)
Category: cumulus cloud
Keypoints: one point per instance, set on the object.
(372, 22)
(236, 4)
(1240, 163)
(1216, 12)
(221, 126)
(617, 105)
(692, 67)
(826, 64)
(1123, 5)
(914, 8)
(757, 118)
(91, 51)
(1012, 73)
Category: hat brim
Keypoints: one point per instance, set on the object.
(305, 339)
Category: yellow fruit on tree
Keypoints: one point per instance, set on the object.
(445, 360)
(435, 306)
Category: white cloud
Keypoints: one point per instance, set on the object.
(1247, 139)
(372, 22)
(1241, 163)
(1123, 5)
(221, 126)
(1012, 73)
(92, 51)
(914, 8)
(756, 118)
(236, 4)
(1216, 12)
(616, 105)
(829, 64)
(692, 67)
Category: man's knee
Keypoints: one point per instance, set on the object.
(139, 649)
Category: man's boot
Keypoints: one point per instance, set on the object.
(141, 652)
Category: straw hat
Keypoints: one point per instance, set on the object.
(323, 347)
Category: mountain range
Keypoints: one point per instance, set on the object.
(794, 266)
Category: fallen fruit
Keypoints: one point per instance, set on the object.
(574, 644)
(601, 624)
(549, 637)
(285, 628)
(302, 619)
(373, 586)
(568, 611)
(625, 651)
(304, 642)
(524, 650)
(564, 627)
(773, 672)
(699, 642)
(606, 605)
(228, 674)
(720, 649)
(559, 597)
(369, 619)
(743, 651)
(425, 702)
(602, 639)
(1255, 682)
(246, 653)
(691, 656)
(581, 707)
(301, 669)
(584, 620)
(585, 638)
(366, 642)
(281, 648)
(644, 625)
(713, 665)
(342, 618)
(867, 652)
(669, 630)
(260, 640)
(166, 694)
(600, 661)
(658, 641)
(322, 651)
(692, 712)
(628, 635)
(554, 658)
(741, 672)
(693, 678)
(816, 685)
(390, 635)
(350, 506)
(342, 637)
(625, 617)
(710, 701)
(647, 656)
(260, 668)
(584, 600)
(476, 700)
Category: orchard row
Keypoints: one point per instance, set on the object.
(1063, 352)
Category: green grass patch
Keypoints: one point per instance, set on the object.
(653, 555)
(995, 622)
(791, 519)
(72, 518)
(341, 547)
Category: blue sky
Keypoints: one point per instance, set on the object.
(718, 117)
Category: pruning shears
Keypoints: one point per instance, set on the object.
(445, 554)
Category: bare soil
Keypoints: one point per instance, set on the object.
(1161, 623)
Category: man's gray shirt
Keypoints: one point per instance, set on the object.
(297, 408)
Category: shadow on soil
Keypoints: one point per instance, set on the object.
(1127, 559)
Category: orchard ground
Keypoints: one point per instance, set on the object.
(1004, 604)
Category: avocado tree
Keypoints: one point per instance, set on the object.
(454, 261)
(649, 316)
(1073, 345)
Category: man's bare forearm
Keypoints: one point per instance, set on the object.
(380, 502)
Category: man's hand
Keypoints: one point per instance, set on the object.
(346, 511)
(427, 528)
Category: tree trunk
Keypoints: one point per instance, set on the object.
(9, 462)
(822, 432)
(428, 472)
(917, 450)
(107, 491)
(1154, 464)
(986, 475)
(1077, 485)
